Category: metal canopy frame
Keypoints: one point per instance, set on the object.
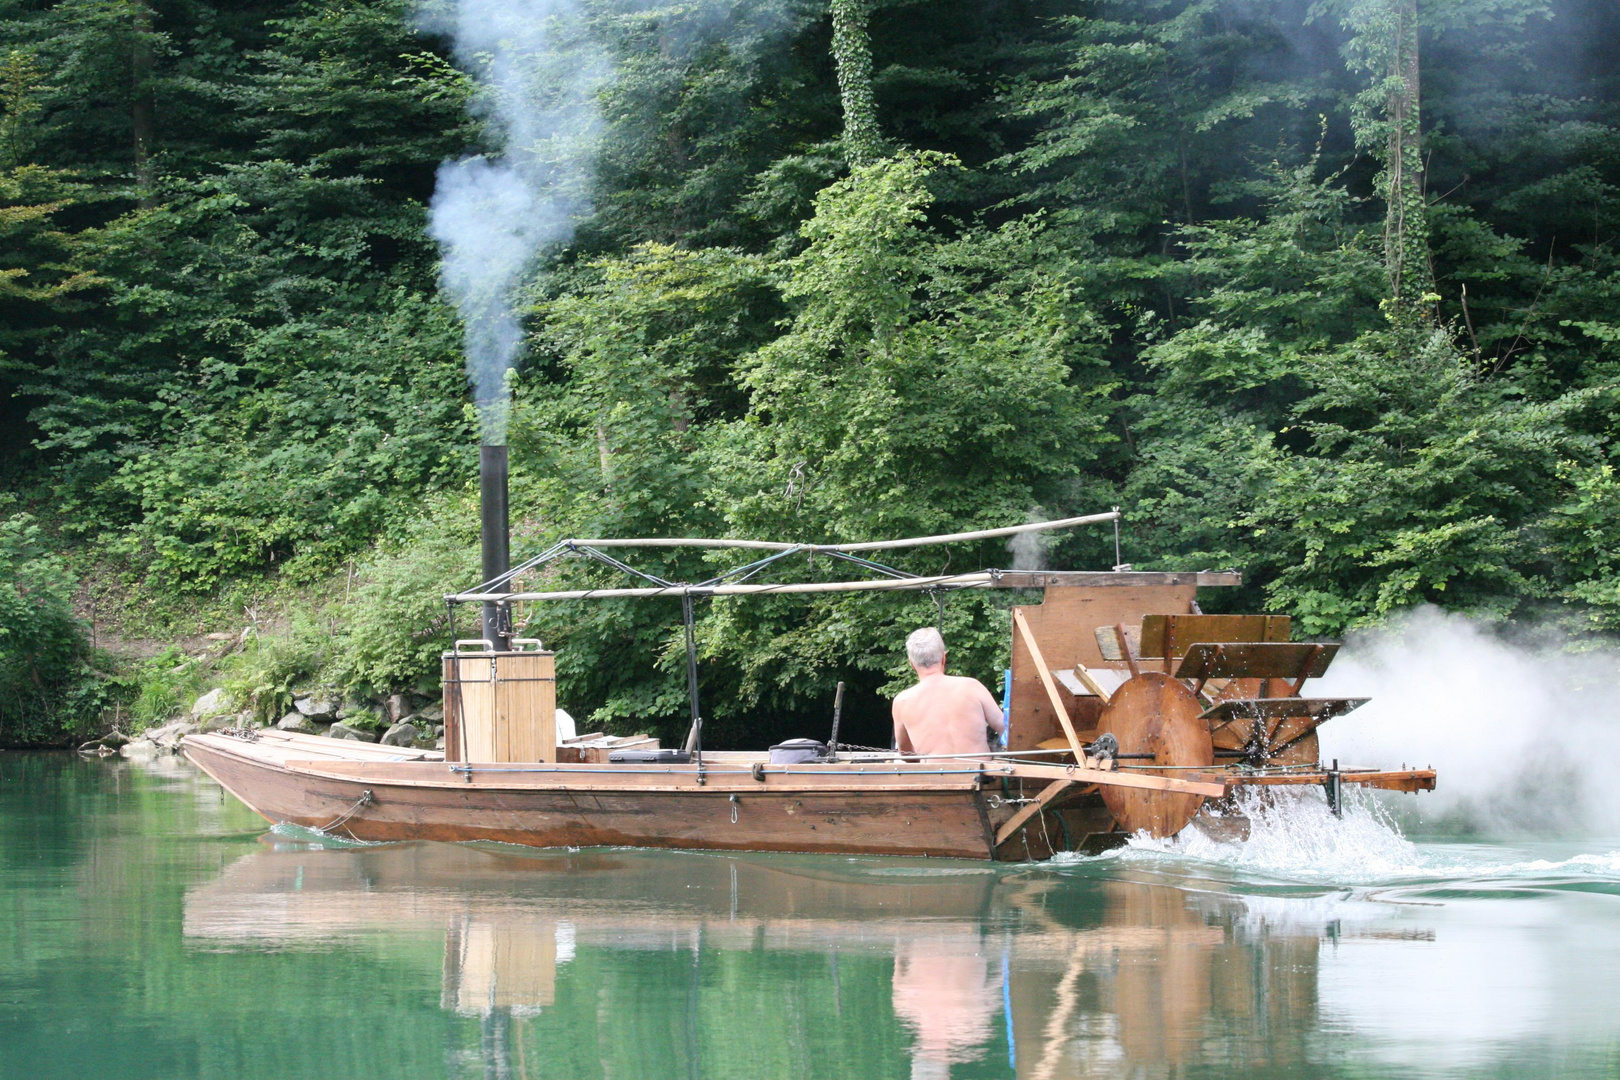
(735, 582)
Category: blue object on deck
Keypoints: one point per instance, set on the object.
(1006, 706)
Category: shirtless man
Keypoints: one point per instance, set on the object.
(942, 714)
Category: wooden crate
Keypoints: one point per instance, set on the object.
(500, 706)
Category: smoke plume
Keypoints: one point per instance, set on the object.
(1524, 737)
(538, 73)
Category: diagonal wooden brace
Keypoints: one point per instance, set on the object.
(1051, 686)
(1047, 796)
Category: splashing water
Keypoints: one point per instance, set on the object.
(1293, 834)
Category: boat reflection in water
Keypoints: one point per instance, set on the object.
(675, 964)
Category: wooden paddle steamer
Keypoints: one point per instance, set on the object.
(1129, 711)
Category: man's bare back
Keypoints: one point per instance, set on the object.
(945, 714)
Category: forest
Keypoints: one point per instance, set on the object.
(1321, 290)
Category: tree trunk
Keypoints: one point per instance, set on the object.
(1406, 234)
(852, 53)
(142, 105)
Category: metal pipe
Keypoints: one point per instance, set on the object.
(838, 713)
(870, 545)
(493, 469)
(975, 580)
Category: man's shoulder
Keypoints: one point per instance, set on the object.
(967, 681)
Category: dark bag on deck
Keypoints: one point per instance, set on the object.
(649, 757)
(797, 752)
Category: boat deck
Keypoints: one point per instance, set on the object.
(281, 747)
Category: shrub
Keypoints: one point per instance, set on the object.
(53, 687)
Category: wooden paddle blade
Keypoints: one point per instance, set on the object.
(1318, 709)
(1257, 660)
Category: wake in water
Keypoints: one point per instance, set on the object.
(1293, 834)
(1294, 839)
(287, 836)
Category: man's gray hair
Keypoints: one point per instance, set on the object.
(925, 647)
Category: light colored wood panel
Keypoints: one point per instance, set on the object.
(504, 705)
(1064, 625)
(1181, 632)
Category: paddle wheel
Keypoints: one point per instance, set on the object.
(1188, 696)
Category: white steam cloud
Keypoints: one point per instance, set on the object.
(1525, 739)
(1029, 549)
(539, 73)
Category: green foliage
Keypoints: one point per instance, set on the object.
(1203, 259)
(271, 667)
(50, 686)
(398, 624)
(852, 52)
(165, 685)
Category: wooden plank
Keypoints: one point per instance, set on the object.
(1046, 680)
(1081, 681)
(507, 706)
(1257, 660)
(1393, 780)
(1063, 624)
(1181, 632)
(454, 747)
(1203, 785)
(1272, 708)
(1030, 809)
(1108, 642)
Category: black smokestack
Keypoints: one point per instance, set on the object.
(492, 473)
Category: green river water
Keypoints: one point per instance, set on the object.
(151, 927)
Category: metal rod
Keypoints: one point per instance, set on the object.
(838, 712)
(493, 469)
(979, 579)
(747, 570)
(694, 738)
(625, 568)
(868, 563)
(870, 545)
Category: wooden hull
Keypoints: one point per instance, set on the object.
(905, 810)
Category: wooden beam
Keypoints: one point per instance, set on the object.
(1125, 649)
(1394, 780)
(1214, 787)
(1310, 662)
(1051, 686)
(1090, 681)
(1030, 809)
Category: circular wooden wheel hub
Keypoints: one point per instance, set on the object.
(1152, 713)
